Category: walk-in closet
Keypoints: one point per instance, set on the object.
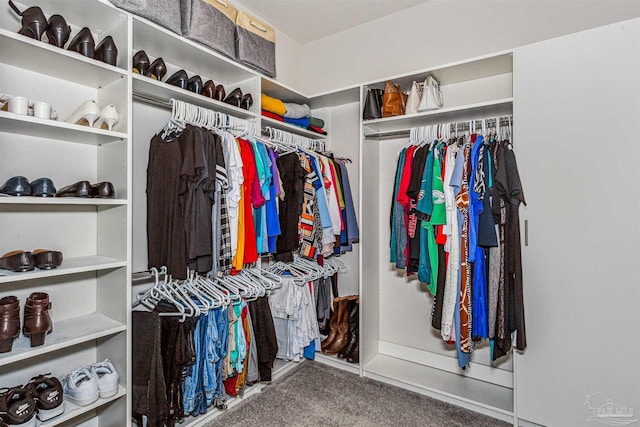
(204, 203)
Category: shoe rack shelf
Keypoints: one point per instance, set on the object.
(66, 333)
(162, 92)
(29, 54)
(53, 201)
(54, 129)
(90, 291)
(69, 266)
(72, 411)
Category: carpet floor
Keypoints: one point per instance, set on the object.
(314, 394)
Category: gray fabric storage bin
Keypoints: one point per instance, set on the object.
(255, 44)
(165, 13)
(210, 22)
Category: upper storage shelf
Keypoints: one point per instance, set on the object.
(456, 72)
(160, 42)
(474, 89)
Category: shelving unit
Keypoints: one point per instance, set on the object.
(90, 291)
(391, 350)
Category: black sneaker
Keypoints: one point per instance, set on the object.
(47, 392)
(17, 407)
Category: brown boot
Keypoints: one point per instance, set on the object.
(9, 322)
(352, 335)
(343, 328)
(333, 323)
(37, 322)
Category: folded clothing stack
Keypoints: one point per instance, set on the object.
(295, 114)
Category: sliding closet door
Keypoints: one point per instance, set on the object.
(577, 115)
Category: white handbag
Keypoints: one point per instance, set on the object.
(415, 95)
(431, 96)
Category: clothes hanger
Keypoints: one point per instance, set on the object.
(218, 292)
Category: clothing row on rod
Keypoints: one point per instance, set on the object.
(455, 224)
(218, 196)
(198, 341)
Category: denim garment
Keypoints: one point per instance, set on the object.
(222, 322)
(192, 387)
(211, 357)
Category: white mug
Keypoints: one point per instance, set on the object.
(42, 110)
(18, 105)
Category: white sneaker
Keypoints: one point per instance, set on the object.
(81, 387)
(107, 377)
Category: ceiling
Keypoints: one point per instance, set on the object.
(308, 20)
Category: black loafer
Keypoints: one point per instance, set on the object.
(46, 259)
(103, 190)
(43, 187)
(18, 261)
(16, 186)
(79, 189)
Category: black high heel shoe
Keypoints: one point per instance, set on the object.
(83, 43)
(208, 89)
(194, 84)
(246, 102)
(157, 69)
(58, 31)
(140, 62)
(179, 78)
(220, 93)
(106, 51)
(234, 98)
(34, 23)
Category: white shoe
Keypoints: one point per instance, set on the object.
(107, 377)
(109, 117)
(85, 115)
(81, 387)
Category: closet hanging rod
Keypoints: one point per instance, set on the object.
(150, 99)
(460, 126)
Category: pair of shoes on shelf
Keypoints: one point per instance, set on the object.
(210, 90)
(19, 260)
(101, 190)
(85, 385)
(35, 25)
(155, 70)
(20, 186)
(90, 113)
(183, 81)
(236, 99)
(37, 321)
(41, 397)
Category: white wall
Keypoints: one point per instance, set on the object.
(443, 31)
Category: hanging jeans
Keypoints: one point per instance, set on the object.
(193, 386)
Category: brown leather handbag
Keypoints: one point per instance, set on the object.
(393, 101)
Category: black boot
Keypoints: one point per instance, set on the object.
(352, 340)
(354, 355)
